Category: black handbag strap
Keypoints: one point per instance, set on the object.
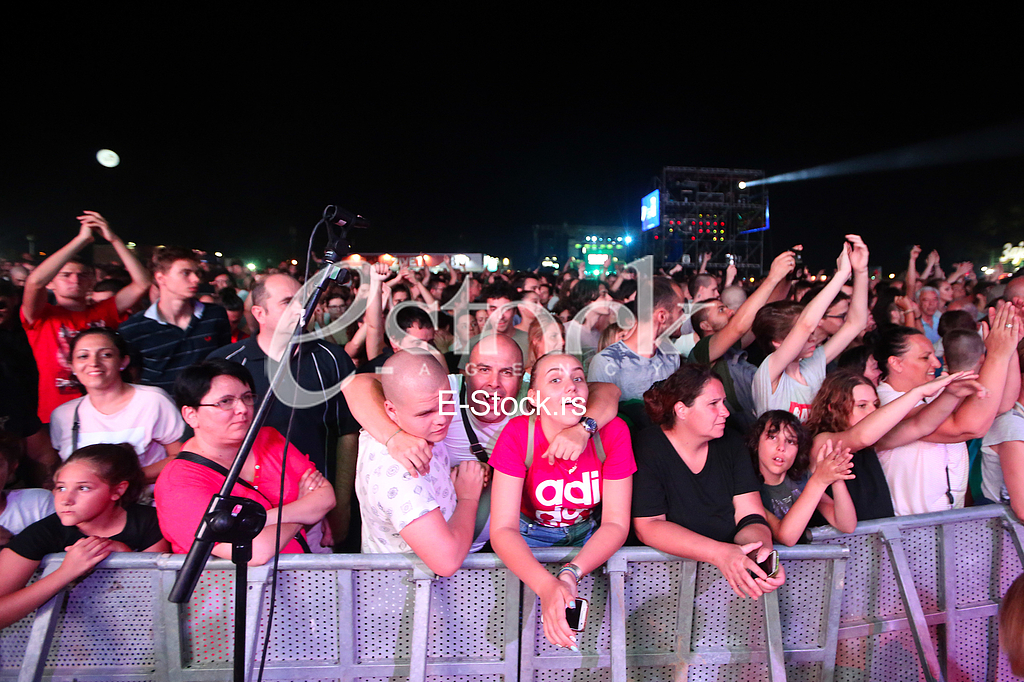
(220, 469)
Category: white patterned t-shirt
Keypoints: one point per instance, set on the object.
(390, 498)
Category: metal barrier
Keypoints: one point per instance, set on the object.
(347, 617)
(920, 602)
(923, 594)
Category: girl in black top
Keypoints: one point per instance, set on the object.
(846, 409)
(695, 492)
(94, 493)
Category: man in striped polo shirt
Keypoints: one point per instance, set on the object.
(177, 330)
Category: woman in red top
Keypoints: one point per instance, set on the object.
(216, 398)
(540, 501)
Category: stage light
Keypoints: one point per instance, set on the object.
(131, 245)
(294, 262)
(892, 276)
(218, 254)
(743, 185)
(251, 267)
(629, 240)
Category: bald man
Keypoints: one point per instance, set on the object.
(481, 402)
(431, 515)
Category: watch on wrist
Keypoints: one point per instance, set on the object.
(589, 424)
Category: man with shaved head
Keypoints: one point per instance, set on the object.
(433, 514)
(482, 402)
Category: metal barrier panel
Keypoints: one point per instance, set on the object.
(924, 593)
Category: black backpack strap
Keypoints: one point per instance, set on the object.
(74, 428)
(479, 451)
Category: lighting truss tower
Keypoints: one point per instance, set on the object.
(704, 210)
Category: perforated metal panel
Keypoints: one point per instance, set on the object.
(108, 622)
(385, 602)
(305, 617)
(652, 605)
(599, 675)
(730, 672)
(468, 615)
(803, 672)
(976, 650)
(721, 618)
(889, 656)
(871, 590)
(653, 674)
(802, 605)
(208, 618)
(465, 678)
(922, 548)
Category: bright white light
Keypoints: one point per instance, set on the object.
(218, 254)
(743, 185)
(891, 276)
(294, 262)
(251, 266)
(130, 245)
(629, 240)
(108, 158)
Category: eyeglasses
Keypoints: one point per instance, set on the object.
(228, 403)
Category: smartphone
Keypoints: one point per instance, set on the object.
(770, 565)
(798, 259)
(577, 617)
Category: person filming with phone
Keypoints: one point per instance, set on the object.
(697, 495)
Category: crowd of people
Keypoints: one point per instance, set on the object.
(439, 412)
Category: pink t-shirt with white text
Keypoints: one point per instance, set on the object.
(552, 496)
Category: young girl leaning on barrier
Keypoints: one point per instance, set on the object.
(780, 447)
(538, 501)
(94, 494)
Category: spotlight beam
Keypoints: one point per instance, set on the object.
(993, 143)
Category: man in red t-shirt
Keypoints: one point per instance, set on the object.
(50, 328)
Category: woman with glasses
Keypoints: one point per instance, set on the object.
(216, 398)
(113, 410)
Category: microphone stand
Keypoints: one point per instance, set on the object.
(237, 519)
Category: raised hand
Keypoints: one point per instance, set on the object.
(833, 463)
(859, 255)
(782, 266)
(935, 386)
(915, 252)
(379, 272)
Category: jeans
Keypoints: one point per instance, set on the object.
(561, 536)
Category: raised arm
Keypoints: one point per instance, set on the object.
(743, 319)
(857, 318)
(911, 280)
(888, 425)
(131, 294)
(805, 325)
(33, 296)
(374, 317)
(974, 417)
(365, 399)
(602, 407)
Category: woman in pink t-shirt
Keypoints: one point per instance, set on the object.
(538, 501)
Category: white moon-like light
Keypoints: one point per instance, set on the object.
(108, 158)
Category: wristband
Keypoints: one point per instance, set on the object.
(392, 436)
(573, 569)
(749, 520)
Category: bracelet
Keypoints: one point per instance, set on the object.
(573, 569)
(392, 436)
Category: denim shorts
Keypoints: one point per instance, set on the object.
(561, 536)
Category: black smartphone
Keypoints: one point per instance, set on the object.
(577, 617)
(798, 259)
(770, 565)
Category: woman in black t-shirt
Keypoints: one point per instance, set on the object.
(695, 492)
(94, 493)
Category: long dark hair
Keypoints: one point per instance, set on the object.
(114, 464)
(773, 422)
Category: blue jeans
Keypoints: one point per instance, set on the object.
(575, 535)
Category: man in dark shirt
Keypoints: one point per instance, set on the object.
(177, 330)
(323, 427)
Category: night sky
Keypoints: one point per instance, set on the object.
(228, 144)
